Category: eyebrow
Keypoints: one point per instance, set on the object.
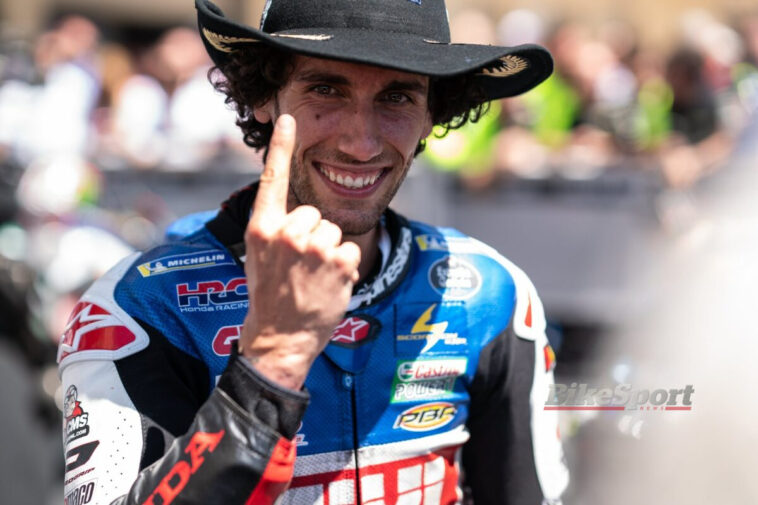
(326, 77)
(412, 86)
(316, 76)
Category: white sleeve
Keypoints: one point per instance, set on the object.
(102, 434)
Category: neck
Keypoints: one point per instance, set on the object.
(369, 245)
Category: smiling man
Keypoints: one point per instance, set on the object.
(419, 353)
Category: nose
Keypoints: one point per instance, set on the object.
(360, 137)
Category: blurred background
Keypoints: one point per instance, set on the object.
(623, 186)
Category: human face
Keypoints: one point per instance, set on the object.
(358, 127)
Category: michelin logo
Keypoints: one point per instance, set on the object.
(167, 264)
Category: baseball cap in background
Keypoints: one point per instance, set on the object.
(407, 35)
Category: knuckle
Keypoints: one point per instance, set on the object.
(349, 255)
(332, 228)
(290, 236)
(309, 212)
(257, 234)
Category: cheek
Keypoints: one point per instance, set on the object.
(403, 133)
(312, 128)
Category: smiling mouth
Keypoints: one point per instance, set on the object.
(350, 181)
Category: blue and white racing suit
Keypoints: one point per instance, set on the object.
(430, 392)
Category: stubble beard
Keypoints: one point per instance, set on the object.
(353, 217)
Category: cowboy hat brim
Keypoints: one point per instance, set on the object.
(502, 71)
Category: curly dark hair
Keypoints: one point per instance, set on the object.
(255, 74)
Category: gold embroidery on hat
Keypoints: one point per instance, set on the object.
(432, 41)
(221, 42)
(304, 37)
(506, 66)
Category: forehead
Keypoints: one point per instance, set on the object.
(306, 67)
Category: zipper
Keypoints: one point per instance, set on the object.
(348, 382)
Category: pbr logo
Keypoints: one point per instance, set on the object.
(454, 278)
(77, 421)
(427, 417)
(355, 330)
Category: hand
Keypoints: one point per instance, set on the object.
(299, 275)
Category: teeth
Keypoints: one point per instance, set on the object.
(348, 181)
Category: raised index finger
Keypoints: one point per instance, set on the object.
(271, 202)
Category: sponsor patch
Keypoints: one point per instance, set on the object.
(426, 417)
(454, 245)
(454, 278)
(355, 330)
(427, 379)
(210, 296)
(81, 494)
(180, 474)
(225, 338)
(91, 327)
(438, 327)
(76, 419)
(176, 262)
(79, 455)
(79, 475)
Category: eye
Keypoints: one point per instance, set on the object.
(324, 90)
(395, 97)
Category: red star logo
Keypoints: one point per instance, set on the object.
(351, 330)
(91, 327)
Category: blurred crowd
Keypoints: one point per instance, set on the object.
(612, 102)
(75, 105)
(120, 105)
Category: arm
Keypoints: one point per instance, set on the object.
(234, 447)
(514, 455)
(139, 431)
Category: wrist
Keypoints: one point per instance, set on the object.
(283, 367)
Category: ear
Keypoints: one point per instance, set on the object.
(264, 113)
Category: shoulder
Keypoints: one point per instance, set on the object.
(108, 322)
(462, 267)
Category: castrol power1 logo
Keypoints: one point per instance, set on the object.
(429, 369)
(426, 379)
(426, 417)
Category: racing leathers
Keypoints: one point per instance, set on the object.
(431, 390)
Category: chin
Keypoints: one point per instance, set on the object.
(353, 222)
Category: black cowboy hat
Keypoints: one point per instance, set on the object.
(408, 35)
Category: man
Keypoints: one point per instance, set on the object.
(420, 348)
